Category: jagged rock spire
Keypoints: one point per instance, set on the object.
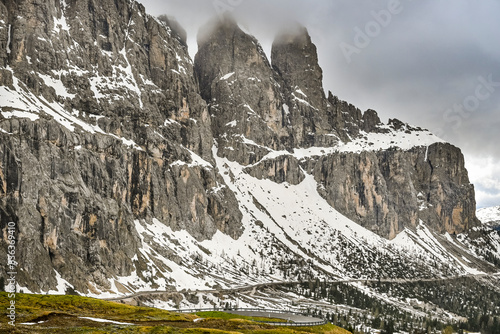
(295, 57)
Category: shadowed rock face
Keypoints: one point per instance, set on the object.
(111, 122)
(295, 57)
(242, 91)
(387, 191)
(74, 187)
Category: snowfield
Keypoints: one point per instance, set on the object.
(281, 231)
(489, 216)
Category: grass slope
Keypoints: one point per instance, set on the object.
(63, 314)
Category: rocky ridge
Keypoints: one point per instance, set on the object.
(384, 188)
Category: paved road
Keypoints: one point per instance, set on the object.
(254, 287)
(285, 316)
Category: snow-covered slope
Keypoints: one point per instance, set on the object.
(290, 234)
(366, 142)
(489, 216)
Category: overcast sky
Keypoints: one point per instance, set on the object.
(431, 63)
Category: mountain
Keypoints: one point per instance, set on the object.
(261, 109)
(489, 216)
(126, 167)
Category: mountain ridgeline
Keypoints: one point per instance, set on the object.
(109, 133)
(257, 108)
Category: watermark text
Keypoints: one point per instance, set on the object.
(372, 29)
(455, 115)
(10, 288)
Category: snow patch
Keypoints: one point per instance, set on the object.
(303, 101)
(58, 86)
(227, 76)
(106, 321)
(249, 108)
(20, 114)
(286, 109)
(32, 323)
(199, 160)
(127, 142)
(60, 24)
(131, 83)
(367, 142)
(62, 285)
(301, 92)
(9, 32)
(383, 141)
(169, 121)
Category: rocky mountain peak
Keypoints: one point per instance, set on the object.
(176, 27)
(242, 91)
(225, 22)
(295, 57)
(371, 120)
(224, 48)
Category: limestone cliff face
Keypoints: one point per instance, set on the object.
(389, 190)
(101, 124)
(242, 91)
(282, 169)
(295, 58)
